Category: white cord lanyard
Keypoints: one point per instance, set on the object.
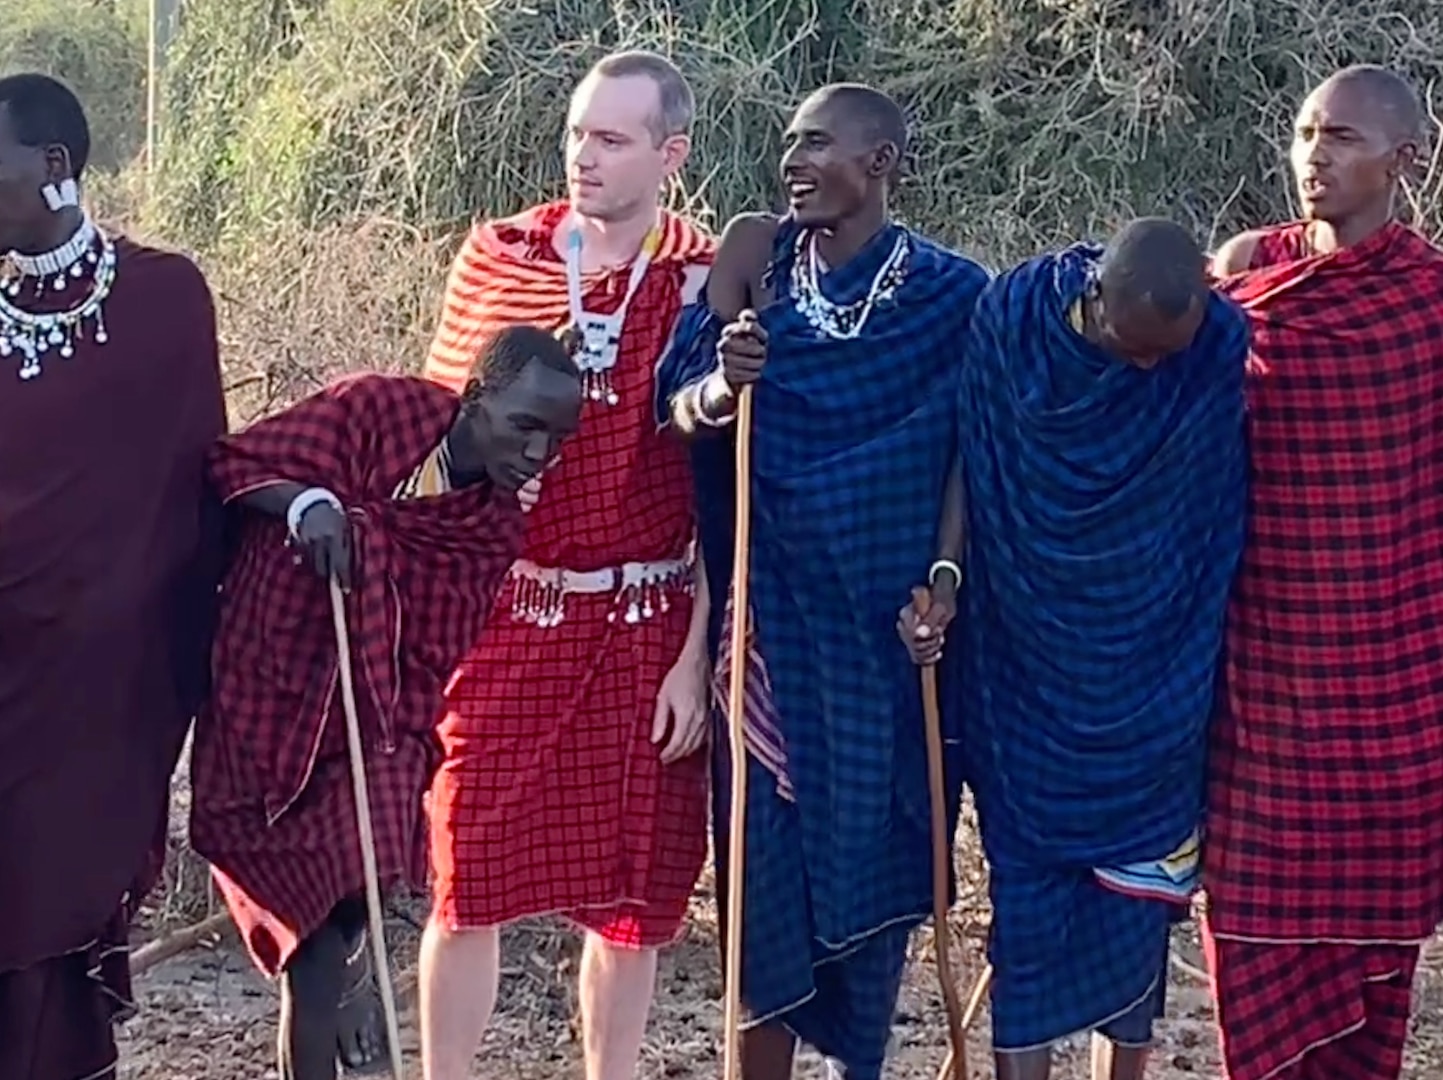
(599, 336)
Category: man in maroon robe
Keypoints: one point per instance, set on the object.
(406, 492)
(110, 396)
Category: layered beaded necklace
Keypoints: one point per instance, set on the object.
(35, 335)
(842, 322)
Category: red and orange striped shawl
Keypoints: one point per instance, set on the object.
(508, 272)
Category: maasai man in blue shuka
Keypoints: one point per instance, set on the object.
(851, 329)
(1100, 445)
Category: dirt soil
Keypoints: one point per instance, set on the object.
(207, 1015)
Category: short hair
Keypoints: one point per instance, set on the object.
(1390, 92)
(504, 354)
(879, 116)
(676, 112)
(45, 112)
(1156, 262)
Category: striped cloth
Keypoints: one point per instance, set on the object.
(507, 272)
(1325, 817)
(1105, 523)
(850, 448)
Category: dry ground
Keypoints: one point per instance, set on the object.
(206, 1015)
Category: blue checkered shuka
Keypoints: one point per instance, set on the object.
(851, 443)
(1106, 508)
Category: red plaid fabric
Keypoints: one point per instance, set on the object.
(1312, 1012)
(552, 797)
(273, 808)
(1325, 819)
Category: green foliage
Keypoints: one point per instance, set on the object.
(98, 47)
(1036, 120)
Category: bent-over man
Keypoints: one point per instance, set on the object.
(406, 493)
(1096, 506)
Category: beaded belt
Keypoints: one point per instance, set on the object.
(539, 592)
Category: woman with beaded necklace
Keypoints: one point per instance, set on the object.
(110, 396)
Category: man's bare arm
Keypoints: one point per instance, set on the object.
(952, 528)
(733, 286)
(1236, 255)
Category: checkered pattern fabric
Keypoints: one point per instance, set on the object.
(1105, 507)
(273, 810)
(1326, 789)
(1326, 797)
(1312, 1011)
(552, 798)
(852, 439)
(1070, 955)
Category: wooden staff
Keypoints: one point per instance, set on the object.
(956, 1066)
(364, 827)
(736, 713)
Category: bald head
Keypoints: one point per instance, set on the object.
(877, 117)
(1397, 105)
(1156, 263)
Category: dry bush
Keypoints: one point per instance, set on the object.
(93, 45)
(288, 122)
(1036, 120)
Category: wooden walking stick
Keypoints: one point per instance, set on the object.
(367, 833)
(941, 861)
(736, 713)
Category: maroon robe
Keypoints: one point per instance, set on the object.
(107, 587)
(273, 808)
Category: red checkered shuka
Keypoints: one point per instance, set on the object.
(1314, 1011)
(273, 807)
(1325, 819)
(552, 797)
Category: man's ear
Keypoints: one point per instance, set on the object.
(1407, 161)
(885, 159)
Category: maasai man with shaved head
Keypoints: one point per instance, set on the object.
(1324, 862)
(110, 396)
(1094, 524)
(406, 493)
(850, 328)
(572, 782)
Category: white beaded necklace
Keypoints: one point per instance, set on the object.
(842, 322)
(34, 334)
(71, 257)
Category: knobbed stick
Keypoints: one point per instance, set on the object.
(941, 860)
(365, 829)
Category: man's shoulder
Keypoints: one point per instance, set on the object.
(938, 256)
(390, 391)
(751, 225)
(750, 233)
(1237, 254)
(161, 266)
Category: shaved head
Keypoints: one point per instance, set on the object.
(1157, 263)
(879, 119)
(1357, 137)
(1399, 108)
(1149, 293)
